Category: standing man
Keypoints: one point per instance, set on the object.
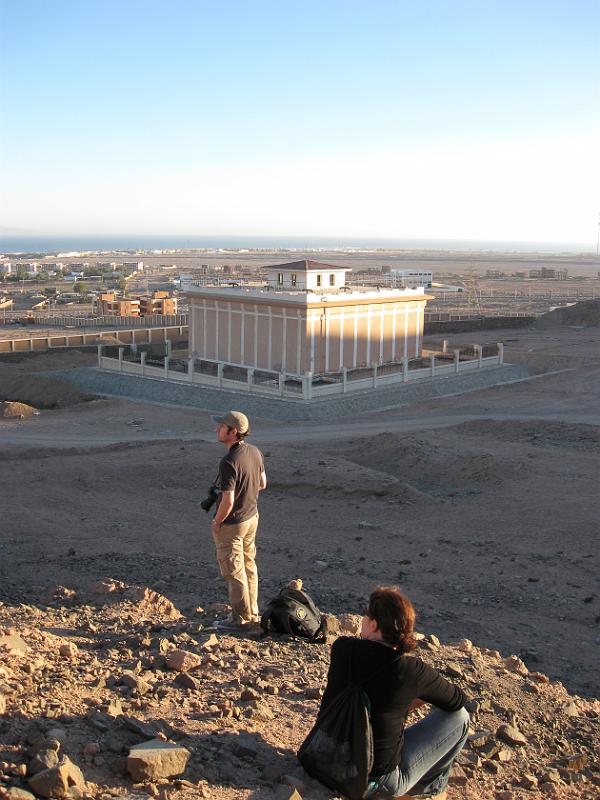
(241, 478)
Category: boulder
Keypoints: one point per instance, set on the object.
(511, 735)
(152, 606)
(156, 759)
(182, 660)
(13, 645)
(14, 793)
(15, 410)
(349, 624)
(57, 781)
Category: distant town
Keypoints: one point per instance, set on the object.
(36, 288)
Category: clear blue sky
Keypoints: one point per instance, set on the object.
(363, 118)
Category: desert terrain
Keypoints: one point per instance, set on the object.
(482, 507)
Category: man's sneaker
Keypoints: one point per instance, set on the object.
(230, 624)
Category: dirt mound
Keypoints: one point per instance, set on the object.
(585, 314)
(39, 391)
(89, 687)
(537, 432)
(12, 410)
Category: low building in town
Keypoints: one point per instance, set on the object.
(159, 302)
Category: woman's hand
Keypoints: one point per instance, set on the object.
(416, 703)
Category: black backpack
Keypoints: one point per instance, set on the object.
(338, 751)
(293, 612)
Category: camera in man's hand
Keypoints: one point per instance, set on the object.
(211, 499)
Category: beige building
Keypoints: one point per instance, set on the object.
(304, 320)
(111, 304)
(158, 302)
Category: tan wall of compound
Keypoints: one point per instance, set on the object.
(325, 337)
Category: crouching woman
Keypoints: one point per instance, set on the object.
(413, 761)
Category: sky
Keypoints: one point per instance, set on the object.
(456, 119)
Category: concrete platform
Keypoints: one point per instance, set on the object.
(325, 410)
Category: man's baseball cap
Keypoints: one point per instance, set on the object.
(234, 419)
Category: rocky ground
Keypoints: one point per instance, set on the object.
(112, 692)
(482, 507)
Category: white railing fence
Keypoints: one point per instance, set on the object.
(220, 375)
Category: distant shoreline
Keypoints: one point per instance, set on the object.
(140, 243)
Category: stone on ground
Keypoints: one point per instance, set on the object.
(156, 759)
(56, 782)
(14, 410)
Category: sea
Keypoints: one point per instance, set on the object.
(105, 243)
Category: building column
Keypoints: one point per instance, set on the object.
(456, 360)
(220, 367)
(190, 367)
(344, 380)
(229, 332)
(121, 351)
(374, 374)
(312, 345)
(342, 317)
(204, 324)
(250, 378)
(432, 366)
(500, 353)
(166, 366)
(284, 340)
(143, 362)
(99, 356)
(405, 369)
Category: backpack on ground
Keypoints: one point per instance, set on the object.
(338, 751)
(293, 612)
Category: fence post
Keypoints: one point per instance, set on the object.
(500, 353)
(166, 366)
(31, 343)
(121, 351)
(374, 374)
(250, 378)
(49, 342)
(479, 354)
(344, 380)
(143, 362)
(169, 348)
(281, 384)
(99, 356)
(404, 369)
(445, 346)
(307, 385)
(220, 367)
(456, 360)
(432, 366)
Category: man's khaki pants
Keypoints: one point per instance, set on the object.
(236, 554)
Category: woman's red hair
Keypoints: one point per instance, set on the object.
(395, 617)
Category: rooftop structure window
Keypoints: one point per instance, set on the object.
(294, 280)
(332, 279)
(319, 280)
(280, 278)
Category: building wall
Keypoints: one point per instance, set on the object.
(295, 338)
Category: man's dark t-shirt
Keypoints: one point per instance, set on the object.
(390, 691)
(239, 472)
